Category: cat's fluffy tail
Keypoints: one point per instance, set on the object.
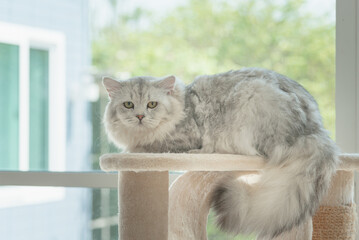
(285, 196)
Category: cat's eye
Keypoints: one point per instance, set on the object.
(128, 104)
(152, 104)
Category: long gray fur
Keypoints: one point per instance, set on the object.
(249, 111)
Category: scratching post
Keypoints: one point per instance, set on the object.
(143, 205)
(148, 211)
(187, 214)
(184, 208)
(336, 217)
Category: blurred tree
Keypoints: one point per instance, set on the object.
(212, 36)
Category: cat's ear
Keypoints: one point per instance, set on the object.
(112, 86)
(167, 83)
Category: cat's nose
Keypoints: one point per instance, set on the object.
(140, 117)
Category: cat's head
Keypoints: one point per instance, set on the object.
(142, 109)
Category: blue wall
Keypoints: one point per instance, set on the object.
(53, 220)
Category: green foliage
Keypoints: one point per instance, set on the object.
(211, 36)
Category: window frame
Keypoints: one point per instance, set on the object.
(347, 81)
(54, 42)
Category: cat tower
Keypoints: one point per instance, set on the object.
(151, 210)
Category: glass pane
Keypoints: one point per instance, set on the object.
(104, 214)
(9, 110)
(100, 144)
(39, 103)
(42, 213)
(131, 38)
(294, 38)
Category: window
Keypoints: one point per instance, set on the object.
(30, 83)
(50, 105)
(39, 109)
(9, 100)
(295, 38)
(32, 79)
(347, 85)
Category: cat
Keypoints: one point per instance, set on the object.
(250, 111)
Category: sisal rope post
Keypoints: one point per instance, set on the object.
(336, 217)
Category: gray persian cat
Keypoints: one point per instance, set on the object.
(251, 112)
